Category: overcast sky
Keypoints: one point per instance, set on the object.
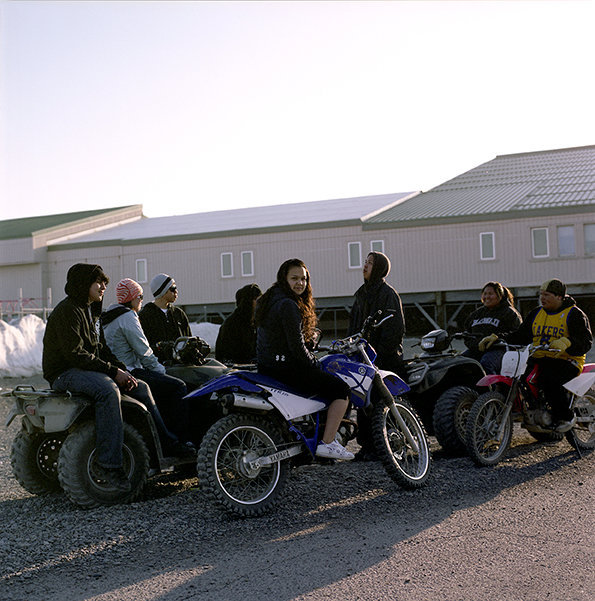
(196, 106)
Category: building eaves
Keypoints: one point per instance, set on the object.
(542, 181)
(28, 226)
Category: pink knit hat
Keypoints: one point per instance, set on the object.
(128, 290)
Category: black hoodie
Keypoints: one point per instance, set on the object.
(72, 337)
(236, 341)
(501, 319)
(376, 295)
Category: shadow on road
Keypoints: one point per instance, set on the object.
(319, 535)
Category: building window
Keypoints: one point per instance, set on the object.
(247, 263)
(487, 246)
(539, 240)
(377, 246)
(566, 241)
(589, 238)
(355, 255)
(226, 265)
(141, 271)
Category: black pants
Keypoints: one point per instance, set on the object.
(553, 374)
(168, 393)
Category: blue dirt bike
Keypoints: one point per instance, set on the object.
(244, 458)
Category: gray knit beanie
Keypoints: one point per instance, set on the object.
(160, 284)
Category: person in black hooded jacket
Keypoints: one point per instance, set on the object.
(236, 341)
(76, 358)
(387, 340)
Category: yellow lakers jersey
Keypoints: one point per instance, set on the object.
(548, 327)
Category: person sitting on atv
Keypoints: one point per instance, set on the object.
(497, 315)
(377, 295)
(125, 337)
(286, 324)
(236, 341)
(76, 358)
(559, 323)
(161, 320)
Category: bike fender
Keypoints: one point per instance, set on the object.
(225, 382)
(492, 379)
(291, 405)
(395, 385)
(581, 384)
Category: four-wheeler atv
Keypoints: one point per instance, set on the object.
(443, 388)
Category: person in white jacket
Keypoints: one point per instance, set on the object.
(125, 337)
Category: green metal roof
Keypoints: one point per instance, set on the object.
(26, 227)
(552, 180)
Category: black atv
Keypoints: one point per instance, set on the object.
(443, 388)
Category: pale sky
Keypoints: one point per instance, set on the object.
(186, 107)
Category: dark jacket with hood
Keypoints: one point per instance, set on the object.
(160, 326)
(72, 335)
(501, 319)
(542, 327)
(236, 341)
(279, 340)
(376, 295)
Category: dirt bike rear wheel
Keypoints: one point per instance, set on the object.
(484, 422)
(450, 418)
(582, 436)
(77, 459)
(406, 466)
(34, 461)
(224, 470)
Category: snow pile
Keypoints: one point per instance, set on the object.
(21, 344)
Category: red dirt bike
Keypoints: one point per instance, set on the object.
(514, 396)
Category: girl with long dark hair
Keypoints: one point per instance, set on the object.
(286, 329)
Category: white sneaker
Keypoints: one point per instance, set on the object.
(333, 450)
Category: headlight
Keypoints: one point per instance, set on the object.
(427, 343)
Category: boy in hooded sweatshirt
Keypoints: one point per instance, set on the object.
(376, 295)
(76, 358)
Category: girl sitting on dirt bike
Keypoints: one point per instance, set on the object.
(286, 322)
(497, 315)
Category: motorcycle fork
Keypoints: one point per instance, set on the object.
(512, 392)
(404, 428)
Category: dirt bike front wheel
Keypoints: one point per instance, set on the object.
(226, 469)
(401, 443)
(489, 429)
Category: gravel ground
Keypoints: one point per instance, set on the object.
(342, 531)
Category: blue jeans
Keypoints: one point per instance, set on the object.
(109, 428)
(105, 394)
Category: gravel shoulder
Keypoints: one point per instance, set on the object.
(522, 530)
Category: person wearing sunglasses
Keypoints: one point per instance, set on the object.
(160, 319)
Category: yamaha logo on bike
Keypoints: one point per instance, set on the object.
(362, 371)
